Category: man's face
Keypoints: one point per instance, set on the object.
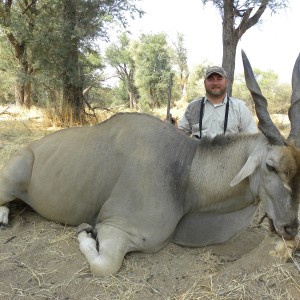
(215, 85)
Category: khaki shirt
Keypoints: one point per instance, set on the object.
(240, 118)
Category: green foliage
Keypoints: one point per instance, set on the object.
(153, 69)
(278, 95)
(180, 55)
(39, 29)
(8, 69)
(180, 63)
(119, 95)
(119, 56)
(243, 5)
(143, 66)
(282, 99)
(100, 97)
(195, 87)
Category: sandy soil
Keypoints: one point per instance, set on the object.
(41, 259)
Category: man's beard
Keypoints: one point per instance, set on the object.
(216, 93)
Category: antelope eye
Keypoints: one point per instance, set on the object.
(290, 173)
(271, 168)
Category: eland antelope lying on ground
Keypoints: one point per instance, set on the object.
(134, 183)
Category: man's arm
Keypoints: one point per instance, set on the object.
(248, 123)
(184, 124)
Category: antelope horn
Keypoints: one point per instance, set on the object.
(265, 124)
(294, 110)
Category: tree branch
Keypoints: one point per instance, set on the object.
(247, 22)
(28, 7)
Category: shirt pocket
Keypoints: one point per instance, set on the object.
(233, 125)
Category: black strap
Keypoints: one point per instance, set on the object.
(202, 112)
(226, 115)
(202, 103)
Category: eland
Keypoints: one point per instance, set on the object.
(134, 183)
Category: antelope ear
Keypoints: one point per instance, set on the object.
(249, 167)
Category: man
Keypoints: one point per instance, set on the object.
(216, 113)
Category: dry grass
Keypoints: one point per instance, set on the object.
(40, 259)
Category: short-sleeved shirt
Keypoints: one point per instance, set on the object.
(240, 118)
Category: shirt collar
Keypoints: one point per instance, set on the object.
(220, 104)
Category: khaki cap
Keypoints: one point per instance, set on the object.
(217, 70)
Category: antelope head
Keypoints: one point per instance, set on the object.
(279, 187)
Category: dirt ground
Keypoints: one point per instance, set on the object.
(40, 259)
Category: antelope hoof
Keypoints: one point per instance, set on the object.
(88, 229)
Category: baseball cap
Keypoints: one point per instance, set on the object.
(215, 69)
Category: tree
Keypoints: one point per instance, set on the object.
(7, 71)
(51, 40)
(17, 18)
(239, 16)
(72, 108)
(119, 56)
(153, 68)
(83, 22)
(180, 60)
(278, 95)
(195, 86)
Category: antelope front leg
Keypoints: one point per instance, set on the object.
(4, 212)
(113, 245)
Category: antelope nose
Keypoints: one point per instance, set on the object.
(291, 231)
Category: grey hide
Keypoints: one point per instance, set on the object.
(142, 184)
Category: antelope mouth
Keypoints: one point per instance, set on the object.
(288, 231)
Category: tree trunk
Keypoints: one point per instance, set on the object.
(73, 106)
(128, 80)
(183, 85)
(232, 35)
(229, 43)
(229, 53)
(27, 95)
(19, 95)
(132, 96)
(23, 85)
